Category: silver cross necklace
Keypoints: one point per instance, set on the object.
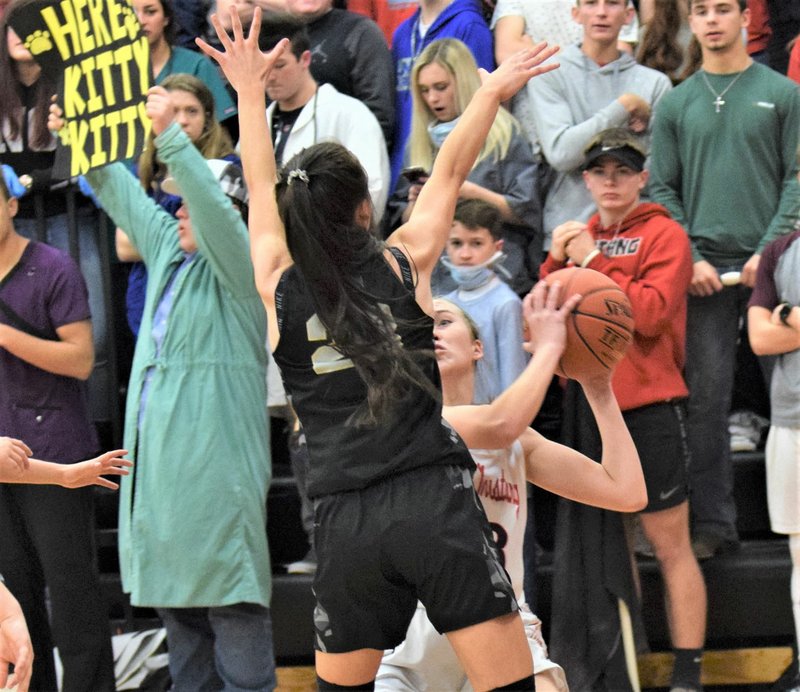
(718, 101)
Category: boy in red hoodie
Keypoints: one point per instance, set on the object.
(647, 254)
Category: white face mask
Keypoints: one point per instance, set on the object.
(475, 276)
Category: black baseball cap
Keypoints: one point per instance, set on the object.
(618, 144)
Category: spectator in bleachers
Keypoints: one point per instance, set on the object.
(443, 81)
(157, 18)
(195, 113)
(758, 31)
(16, 466)
(349, 52)
(304, 112)
(518, 24)
(647, 254)
(784, 21)
(597, 87)
(667, 44)
(433, 20)
(724, 165)
(773, 318)
(29, 148)
(190, 21)
(46, 533)
(192, 536)
(474, 245)
(387, 14)
(223, 8)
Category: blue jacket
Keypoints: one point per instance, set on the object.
(461, 19)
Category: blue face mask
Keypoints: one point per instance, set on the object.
(470, 278)
(438, 131)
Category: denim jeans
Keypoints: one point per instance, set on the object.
(89, 240)
(220, 648)
(714, 325)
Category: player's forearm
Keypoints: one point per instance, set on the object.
(258, 156)
(462, 146)
(58, 357)
(620, 459)
(512, 412)
(260, 172)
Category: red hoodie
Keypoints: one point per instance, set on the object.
(649, 257)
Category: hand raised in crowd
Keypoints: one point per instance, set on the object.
(517, 69)
(544, 322)
(15, 644)
(159, 108)
(705, 280)
(563, 236)
(91, 472)
(13, 456)
(242, 62)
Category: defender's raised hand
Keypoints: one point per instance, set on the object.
(242, 62)
(515, 72)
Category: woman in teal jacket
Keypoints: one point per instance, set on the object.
(192, 526)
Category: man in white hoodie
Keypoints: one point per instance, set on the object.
(303, 112)
(597, 87)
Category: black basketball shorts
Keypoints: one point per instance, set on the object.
(421, 535)
(659, 433)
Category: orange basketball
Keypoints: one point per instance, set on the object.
(599, 328)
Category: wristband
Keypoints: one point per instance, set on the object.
(589, 258)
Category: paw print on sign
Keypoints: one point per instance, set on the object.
(129, 21)
(38, 42)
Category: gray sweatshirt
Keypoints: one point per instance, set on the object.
(573, 104)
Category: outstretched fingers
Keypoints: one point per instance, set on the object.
(241, 58)
(530, 60)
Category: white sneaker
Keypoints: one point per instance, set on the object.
(308, 565)
(746, 429)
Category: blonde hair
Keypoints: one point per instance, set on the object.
(213, 143)
(454, 57)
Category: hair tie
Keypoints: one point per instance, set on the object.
(297, 173)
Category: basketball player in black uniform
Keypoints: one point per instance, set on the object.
(396, 515)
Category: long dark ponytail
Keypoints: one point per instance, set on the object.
(319, 194)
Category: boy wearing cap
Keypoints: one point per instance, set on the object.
(192, 519)
(647, 254)
(596, 87)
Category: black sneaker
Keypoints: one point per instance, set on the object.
(707, 545)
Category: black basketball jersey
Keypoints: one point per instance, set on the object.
(326, 389)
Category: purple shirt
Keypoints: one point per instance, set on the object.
(47, 411)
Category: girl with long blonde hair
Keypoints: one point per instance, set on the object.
(443, 81)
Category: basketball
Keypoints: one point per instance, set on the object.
(599, 328)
